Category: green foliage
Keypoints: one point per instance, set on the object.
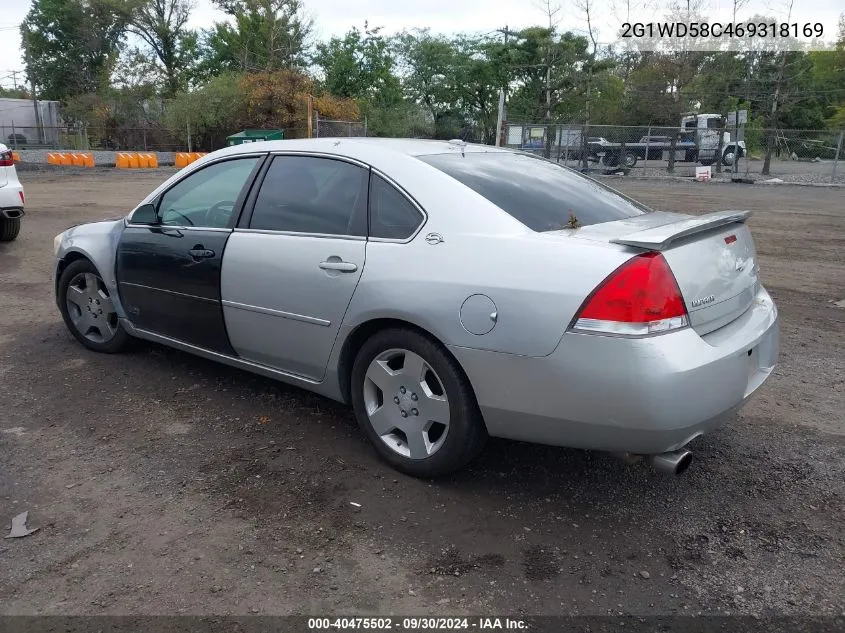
(360, 66)
(212, 112)
(266, 35)
(72, 45)
(12, 93)
(252, 70)
(162, 26)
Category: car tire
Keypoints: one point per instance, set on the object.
(707, 162)
(9, 229)
(98, 329)
(416, 375)
(728, 158)
(629, 159)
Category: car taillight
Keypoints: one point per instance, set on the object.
(640, 297)
(7, 159)
(23, 200)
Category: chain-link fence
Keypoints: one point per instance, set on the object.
(803, 156)
(324, 128)
(148, 139)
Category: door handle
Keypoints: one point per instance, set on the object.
(200, 253)
(344, 267)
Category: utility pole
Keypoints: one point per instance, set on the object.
(32, 86)
(506, 32)
(503, 93)
(500, 118)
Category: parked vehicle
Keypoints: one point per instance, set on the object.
(12, 200)
(697, 142)
(446, 291)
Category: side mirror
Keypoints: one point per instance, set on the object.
(145, 214)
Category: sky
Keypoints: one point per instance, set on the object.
(335, 17)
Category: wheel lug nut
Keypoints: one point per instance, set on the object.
(401, 389)
(415, 412)
(404, 413)
(396, 399)
(413, 396)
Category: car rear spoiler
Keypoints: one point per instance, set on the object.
(659, 237)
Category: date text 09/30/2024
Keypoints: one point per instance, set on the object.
(416, 624)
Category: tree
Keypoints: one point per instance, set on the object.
(360, 66)
(426, 64)
(71, 45)
(162, 26)
(212, 112)
(14, 93)
(267, 35)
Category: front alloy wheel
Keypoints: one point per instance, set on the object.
(88, 310)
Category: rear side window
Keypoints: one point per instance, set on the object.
(538, 193)
(305, 194)
(392, 215)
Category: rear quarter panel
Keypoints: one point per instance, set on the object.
(536, 281)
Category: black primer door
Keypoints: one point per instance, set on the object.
(168, 269)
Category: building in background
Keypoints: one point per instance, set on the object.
(19, 127)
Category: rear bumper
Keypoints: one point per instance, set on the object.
(646, 395)
(10, 198)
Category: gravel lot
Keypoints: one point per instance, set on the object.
(167, 484)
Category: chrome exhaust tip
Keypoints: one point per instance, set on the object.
(673, 462)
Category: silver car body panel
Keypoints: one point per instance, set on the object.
(499, 296)
(646, 395)
(292, 297)
(96, 241)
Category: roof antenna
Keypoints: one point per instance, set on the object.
(460, 143)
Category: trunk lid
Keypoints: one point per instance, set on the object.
(712, 257)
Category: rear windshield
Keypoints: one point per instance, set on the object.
(537, 192)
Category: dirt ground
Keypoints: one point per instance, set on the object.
(166, 484)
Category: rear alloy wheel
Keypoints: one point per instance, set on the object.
(629, 159)
(415, 404)
(9, 229)
(728, 158)
(88, 310)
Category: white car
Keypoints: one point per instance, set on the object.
(12, 199)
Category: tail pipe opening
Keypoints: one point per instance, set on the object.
(11, 214)
(673, 462)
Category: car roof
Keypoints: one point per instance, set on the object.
(359, 147)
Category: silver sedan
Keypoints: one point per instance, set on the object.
(446, 291)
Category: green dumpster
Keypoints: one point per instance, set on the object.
(253, 136)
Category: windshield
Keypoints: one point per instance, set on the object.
(540, 194)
